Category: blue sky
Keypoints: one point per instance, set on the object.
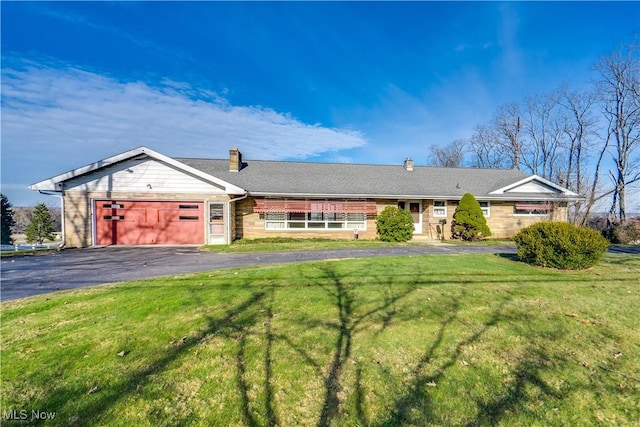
(363, 82)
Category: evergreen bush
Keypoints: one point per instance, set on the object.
(560, 245)
(468, 221)
(7, 221)
(395, 225)
(40, 226)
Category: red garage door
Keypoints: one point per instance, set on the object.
(148, 223)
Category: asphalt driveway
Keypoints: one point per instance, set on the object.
(25, 276)
(75, 268)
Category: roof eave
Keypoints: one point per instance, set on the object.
(56, 183)
(564, 191)
(531, 196)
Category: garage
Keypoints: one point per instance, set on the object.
(128, 222)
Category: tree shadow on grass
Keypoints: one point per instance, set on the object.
(106, 396)
(239, 322)
(239, 331)
(348, 323)
(526, 374)
(416, 405)
(244, 385)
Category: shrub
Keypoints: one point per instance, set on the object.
(468, 221)
(7, 221)
(395, 225)
(560, 245)
(41, 225)
(628, 232)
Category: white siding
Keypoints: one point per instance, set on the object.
(142, 176)
(532, 187)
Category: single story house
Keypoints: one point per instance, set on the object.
(142, 197)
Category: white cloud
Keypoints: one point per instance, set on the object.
(70, 107)
(56, 118)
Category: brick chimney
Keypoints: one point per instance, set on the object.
(235, 160)
(408, 164)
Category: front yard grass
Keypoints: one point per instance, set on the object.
(274, 244)
(423, 340)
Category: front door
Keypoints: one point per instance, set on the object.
(216, 224)
(415, 208)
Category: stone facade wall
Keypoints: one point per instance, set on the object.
(502, 222)
(247, 224)
(77, 220)
(250, 225)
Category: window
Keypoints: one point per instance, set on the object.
(275, 221)
(440, 208)
(316, 214)
(113, 217)
(532, 208)
(216, 212)
(315, 221)
(486, 209)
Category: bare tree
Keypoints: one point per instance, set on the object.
(450, 156)
(507, 127)
(619, 88)
(499, 144)
(580, 130)
(485, 150)
(543, 125)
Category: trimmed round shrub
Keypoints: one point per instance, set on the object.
(468, 221)
(395, 225)
(560, 245)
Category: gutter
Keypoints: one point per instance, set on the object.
(500, 197)
(229, 228)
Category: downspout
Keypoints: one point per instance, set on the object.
(62, 221)
(229, 228)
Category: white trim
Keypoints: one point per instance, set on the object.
(433, 208)
(544, 181)
(345, 221)
(488, 208)
(417, 226)
(94, 222)
(56, 183)
(529, 213)
(225, 222)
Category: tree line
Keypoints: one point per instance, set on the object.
(568, 136)
(38, 223)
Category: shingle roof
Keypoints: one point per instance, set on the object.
(261, 177)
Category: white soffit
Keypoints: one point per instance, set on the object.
(55, 183)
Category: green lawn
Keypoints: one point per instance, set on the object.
(439, 340)
(273, 244)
